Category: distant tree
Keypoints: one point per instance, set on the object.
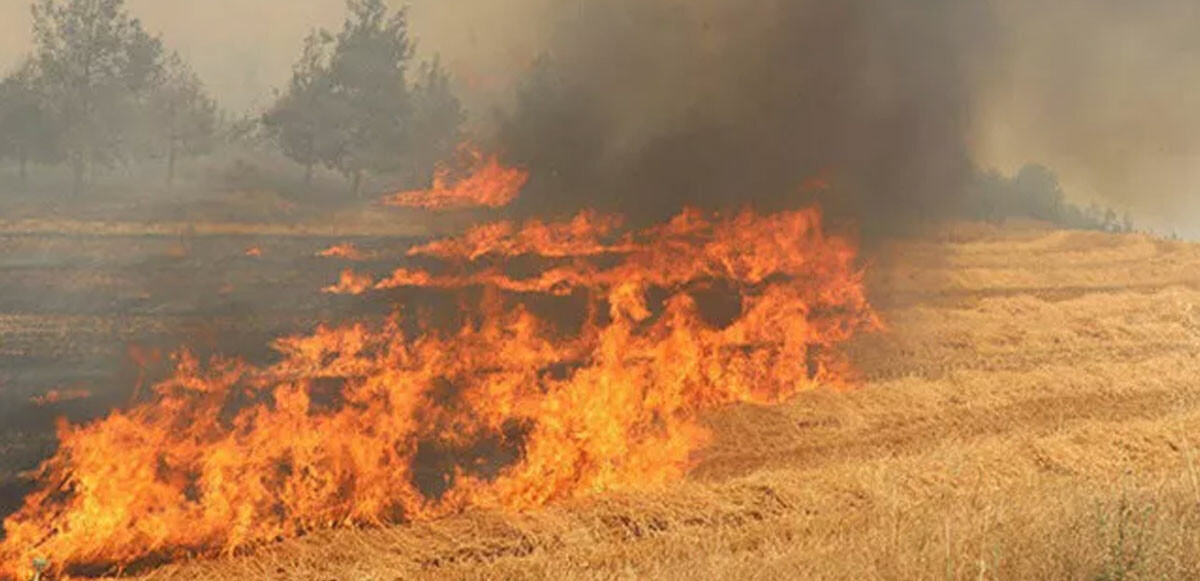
(185, 117)
(1034, 192)
(28, 133)
(438, 117)
(350, 105)
(1039, 192)
(373, 104)
(1110, 221)
(97, 67)
(302, 121)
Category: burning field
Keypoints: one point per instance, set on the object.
(714, 396)
(577, 359)
(669, 289)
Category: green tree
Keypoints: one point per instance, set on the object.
(373, 104)
(350, 105)
(301, 121)
(185, 117)
(28, 133)
(98, 67)
(1039, 193)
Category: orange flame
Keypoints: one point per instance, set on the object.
(345, 250)
(58, 396)
(351, 282)
(369, 424)
(489, 184)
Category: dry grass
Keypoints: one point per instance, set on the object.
(1033, 413)
(369, 222)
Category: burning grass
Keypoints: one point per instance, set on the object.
(372, 424)
(1006, 429)
(487, 184)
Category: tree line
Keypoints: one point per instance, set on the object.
(98, 91)
(1034, 192)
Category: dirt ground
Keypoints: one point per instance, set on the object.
(1029, 414)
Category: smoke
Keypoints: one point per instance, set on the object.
(646, 106)
(1107, 93)
(1102, 91)
(642, 106)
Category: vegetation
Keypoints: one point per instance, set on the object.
(99, 92)
(1034, 193)
(97, 69)
(28, 131)
(351, 106)
(1030, 414)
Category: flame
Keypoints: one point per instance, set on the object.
(345, 250)
(373, 423)
(351, 282)
(820, 182)
(488, 184)
(253, 252)
(55, 396)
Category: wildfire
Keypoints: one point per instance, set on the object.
(488, 184)
(345, 251)
(367, 424)
(55, 396)
(351, 282)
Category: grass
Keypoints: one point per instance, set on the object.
(1030, 414)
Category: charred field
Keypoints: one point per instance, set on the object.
(1027, 412)
(93, 311)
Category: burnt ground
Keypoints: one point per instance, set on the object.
(76, 310)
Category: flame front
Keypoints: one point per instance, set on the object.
(368, 424)
(489, 184)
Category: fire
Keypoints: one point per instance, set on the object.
(55, 396)
(350, 282)
(385, 422)
(253, 252)
(345, 250)
(488, 184)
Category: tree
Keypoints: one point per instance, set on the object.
(437, 120)
(97, 66)
(1039, 192)
(27, 130)
(301, 121)
(185, 116)
(351, 108)
(373, 108)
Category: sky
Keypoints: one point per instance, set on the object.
(1105, 92)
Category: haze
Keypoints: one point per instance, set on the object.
(1103, 92)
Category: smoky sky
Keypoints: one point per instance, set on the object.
(887, 96)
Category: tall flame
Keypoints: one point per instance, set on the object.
(488, 184)
(365, 424)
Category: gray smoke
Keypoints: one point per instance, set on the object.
(646, 106)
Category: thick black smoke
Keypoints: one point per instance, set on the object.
(644, 106)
